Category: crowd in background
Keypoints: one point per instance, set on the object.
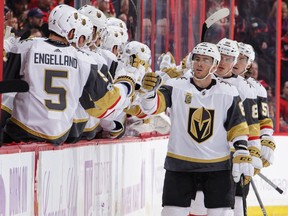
(252, 25)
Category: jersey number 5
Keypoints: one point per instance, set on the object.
(61, 104)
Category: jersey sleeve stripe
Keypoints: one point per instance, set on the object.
(238, 130)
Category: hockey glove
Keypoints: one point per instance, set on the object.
(151, 82)
(256, 159)
(184, 62)
(173, 72)
(242, 164)
(166, 60)
(128, 81)
(267, 149)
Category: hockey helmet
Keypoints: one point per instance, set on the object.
(207, 49)
(96, 16)
(113, 21)
(247, 50)
(228, 47)
(111, 37)
(83, 28)
(58, 21)
(138, 52)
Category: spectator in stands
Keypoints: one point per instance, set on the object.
(106, 7)
(34, 20)
(11, 21)
(18, 8)
(46, 7)
(147, 30)
(284, 102)
(272, 20)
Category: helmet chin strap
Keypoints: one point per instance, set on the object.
(208, 74)
(244, 71)
(228, 71)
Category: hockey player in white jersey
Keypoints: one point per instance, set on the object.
(229, 53)
(206, 114)
(245, 60)
(99, 21)
(57, 74)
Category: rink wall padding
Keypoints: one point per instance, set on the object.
(107, 178)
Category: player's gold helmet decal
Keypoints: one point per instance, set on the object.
(200, 125)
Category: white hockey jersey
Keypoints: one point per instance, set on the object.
(266, 123)
(203, 122)
(56, 74)
(248, 95)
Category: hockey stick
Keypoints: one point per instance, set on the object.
(13, 86)
(258, 198)
(243, 195)
(218, 15)
(270, 183)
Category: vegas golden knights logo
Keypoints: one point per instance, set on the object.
(188, 98)
(200, 125)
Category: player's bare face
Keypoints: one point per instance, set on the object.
(225, 66)
(241, 64)
(81, 41)
(202, 65)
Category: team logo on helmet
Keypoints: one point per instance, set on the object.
(142, 49)
(200, 125)
(188, 98)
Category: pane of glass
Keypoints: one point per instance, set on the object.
(220, 29)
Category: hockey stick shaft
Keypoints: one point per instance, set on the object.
(270, 183)
(243, 196)
(258, 198)
(215, 17)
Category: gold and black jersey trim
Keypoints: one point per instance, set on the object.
(235, 123)
(6, 109)
(109, 101)
(238, 130)
(37, 134)
(254, 130)
(197, 160)
(266, 123)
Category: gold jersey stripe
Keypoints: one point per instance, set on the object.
(238, 130)
(44, 136)
(109, 100)
(254, 130)
(267, 122)
(197, 160)
(91, 128)
(80, 120)
(134, 110)
(3, 107)
(271, 210)
(161, 103)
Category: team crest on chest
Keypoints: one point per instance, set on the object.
(200, 123)
(188, 98)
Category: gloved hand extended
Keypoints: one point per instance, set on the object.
(267, 150)
(151, 81)
(242, 164)
(256, 159)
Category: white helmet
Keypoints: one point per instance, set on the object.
(58, 20)
(228, 47)
(110, 37)
(142, 52)
(84, 28)
(247, 50)
(96, 16)
(112, 21)
(207, 49)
